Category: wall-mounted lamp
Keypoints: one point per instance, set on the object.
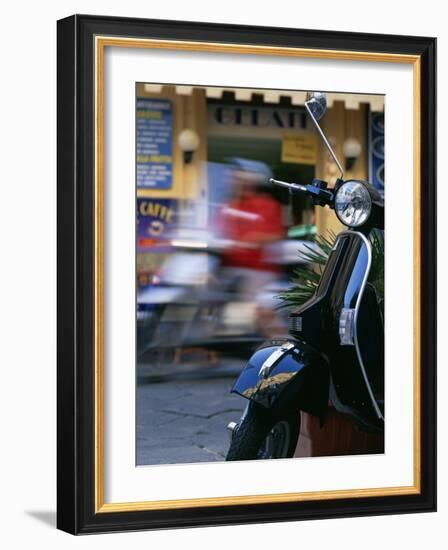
(188, 142)
(352, 149)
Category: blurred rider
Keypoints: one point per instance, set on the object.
(251, 220)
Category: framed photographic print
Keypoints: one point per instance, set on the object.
(246, 274)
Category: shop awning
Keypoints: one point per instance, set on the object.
(352, 101)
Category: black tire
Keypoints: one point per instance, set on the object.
(249, 439)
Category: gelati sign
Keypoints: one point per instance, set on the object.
(249, 120)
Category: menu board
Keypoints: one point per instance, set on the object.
(154, 121)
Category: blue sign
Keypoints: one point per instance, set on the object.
(154, 216)
(376, 151)
(154, 120)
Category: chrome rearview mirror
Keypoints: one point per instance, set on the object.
(316, 102)
(316, 105)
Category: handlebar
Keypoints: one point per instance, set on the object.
(317, 191)
(291, 186)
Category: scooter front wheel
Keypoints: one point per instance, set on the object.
(261, 436)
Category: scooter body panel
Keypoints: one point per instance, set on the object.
(351, 375)
(356, 369)
(286, 379)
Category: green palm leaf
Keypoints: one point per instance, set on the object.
(306, 279)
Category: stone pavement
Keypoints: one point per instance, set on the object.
(182, 418)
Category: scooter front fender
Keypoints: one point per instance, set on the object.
(288, 376)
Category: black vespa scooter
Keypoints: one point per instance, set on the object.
(336, 349)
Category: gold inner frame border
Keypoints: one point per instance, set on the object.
(100, 43)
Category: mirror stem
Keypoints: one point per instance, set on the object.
(322, 135)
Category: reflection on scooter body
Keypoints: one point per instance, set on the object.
(336, 348)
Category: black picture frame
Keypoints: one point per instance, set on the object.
(76, 268)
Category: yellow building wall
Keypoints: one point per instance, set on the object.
(189, 111)
(340, 124)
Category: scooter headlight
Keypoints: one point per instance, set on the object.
(353, 203)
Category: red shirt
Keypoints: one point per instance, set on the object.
(264, 220)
